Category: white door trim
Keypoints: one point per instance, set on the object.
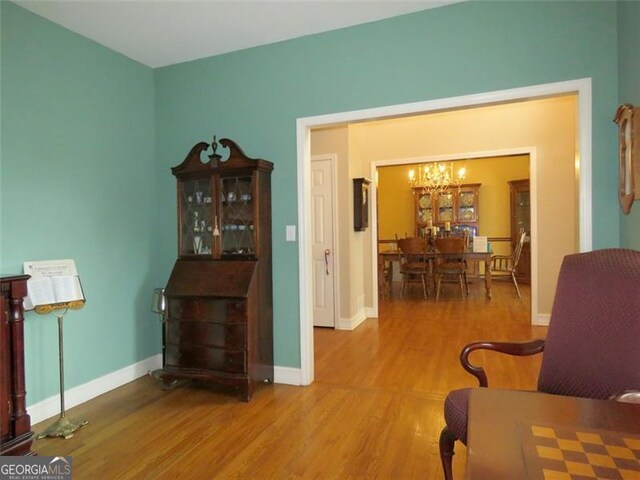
(333, 159)
(303, 134)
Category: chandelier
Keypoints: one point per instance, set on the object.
(435, 177)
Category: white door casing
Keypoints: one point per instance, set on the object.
(322, 240)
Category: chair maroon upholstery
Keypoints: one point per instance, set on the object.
(592, 345)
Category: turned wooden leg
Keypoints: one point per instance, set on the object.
(515, 284)
(447, 444)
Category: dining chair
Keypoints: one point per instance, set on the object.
(506, 266)
(450, 263)
(591, 349)
(385, 273)
(414, 265)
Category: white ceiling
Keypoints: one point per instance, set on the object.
(163, 32)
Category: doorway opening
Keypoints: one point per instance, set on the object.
(484, 204)
(581, 89)
(487, 181)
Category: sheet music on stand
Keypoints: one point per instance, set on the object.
(54, 287)
(54, 284)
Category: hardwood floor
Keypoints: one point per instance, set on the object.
(374, 411)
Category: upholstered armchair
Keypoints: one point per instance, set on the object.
(592, 347)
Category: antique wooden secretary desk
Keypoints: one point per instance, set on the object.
(218, 322)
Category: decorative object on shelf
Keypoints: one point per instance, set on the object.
(218, 317)
(54, 288)
(628, 154)
(196, 222)
(436, 177)
(361, 204)
(197, 244)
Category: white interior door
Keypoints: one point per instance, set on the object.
(322, 242)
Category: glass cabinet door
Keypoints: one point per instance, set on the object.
(196, 229)
(425, 208)
(237, 216)
(445, 207)
(522, 211)
(467, 206)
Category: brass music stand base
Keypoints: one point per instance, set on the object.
(63, 427)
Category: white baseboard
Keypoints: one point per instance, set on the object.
(287, 375)
(371, 312)
(353, 322)
(50, 407)
(542, 320)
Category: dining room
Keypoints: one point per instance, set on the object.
(482, 202)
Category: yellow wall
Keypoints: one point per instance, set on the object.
(396, 207)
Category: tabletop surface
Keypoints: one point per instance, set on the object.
(500, 423)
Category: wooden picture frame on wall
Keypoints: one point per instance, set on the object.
(360, 204)
(628, 120)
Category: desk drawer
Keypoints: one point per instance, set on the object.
(207, 310)
(207, 358)
(232, 336)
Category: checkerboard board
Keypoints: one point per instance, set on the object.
(564, 453)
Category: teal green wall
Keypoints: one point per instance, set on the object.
(629, 81)
(255, 96)
(77, 181)
(88, 137)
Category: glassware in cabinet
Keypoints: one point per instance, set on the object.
(237, 215)
(196, 217)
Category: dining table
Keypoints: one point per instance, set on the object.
(392, 255)
(531, 435)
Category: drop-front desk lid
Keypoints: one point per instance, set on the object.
(211, 278)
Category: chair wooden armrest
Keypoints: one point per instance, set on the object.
(628, 396)
(519, 349)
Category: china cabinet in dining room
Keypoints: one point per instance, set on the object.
(218, 321)
(457, 206)
(520, 215)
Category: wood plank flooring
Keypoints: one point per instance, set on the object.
(374, 411)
